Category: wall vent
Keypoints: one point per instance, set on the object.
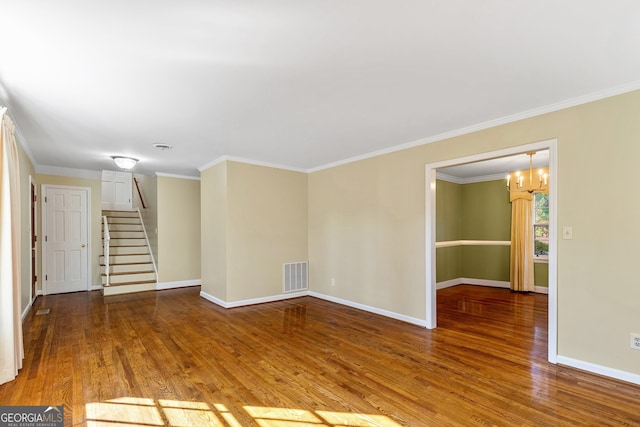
(296, 276)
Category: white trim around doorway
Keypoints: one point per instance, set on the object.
(43, 219)
(430, 231)
(33, 220)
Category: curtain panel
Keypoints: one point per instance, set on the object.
(521, 264)
(11, 347)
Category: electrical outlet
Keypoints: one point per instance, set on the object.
(635, 341)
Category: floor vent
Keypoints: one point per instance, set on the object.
(296, 276)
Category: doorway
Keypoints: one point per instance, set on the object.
(33, 237)
(116, 190)
(65, 239)
(430, 231)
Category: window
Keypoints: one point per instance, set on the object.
(541, 226)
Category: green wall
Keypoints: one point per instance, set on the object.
(486, 211)
(448, 227)
(448, 208)
(477, 211)
(541, 274)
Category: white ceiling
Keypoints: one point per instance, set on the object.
(302, 83)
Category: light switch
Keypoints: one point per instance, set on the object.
(567, 232)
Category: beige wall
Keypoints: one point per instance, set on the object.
(95, 217)
(178, 229)
(267, 227)
(254, 219)
(213, 220)
(366, 225)
(366, 233)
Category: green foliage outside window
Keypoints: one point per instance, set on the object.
(541, 225)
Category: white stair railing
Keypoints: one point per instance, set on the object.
(146, 238)
(106, 238)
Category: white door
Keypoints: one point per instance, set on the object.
(66, 240)
(116, 190)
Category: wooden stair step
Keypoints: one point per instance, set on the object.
(127, 263)
(128, 276)
(133, 253)
(124, 273)
(140, 282)
(125, 238)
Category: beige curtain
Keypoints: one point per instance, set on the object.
(521, 242)
(11, 350)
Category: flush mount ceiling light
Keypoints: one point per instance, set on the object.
(124, 162)
(162, 147)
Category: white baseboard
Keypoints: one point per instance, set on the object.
(26, 310)
(375, 310)
(599, 369)
(449, 283)
(159, 286)
(489, 283)
(213, 299)
(253, 301)
(180, 284)
(281, 297)
(483, 282)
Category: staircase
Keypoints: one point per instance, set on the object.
(131, 266)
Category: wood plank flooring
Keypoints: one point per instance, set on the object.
(172, 358)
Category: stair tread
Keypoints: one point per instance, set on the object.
(123, 273)
(127, 235)
(141, 282)
(127, 263)
(127, 238)
(136, 253)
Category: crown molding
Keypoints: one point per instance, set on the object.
(472, 180)
(584, 99)
(594, 96)
(226, 158)
(212, 163)
(448, 178)
(172, 175)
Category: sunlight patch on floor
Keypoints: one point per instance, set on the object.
(286, 417)
(133, 411)
(276, 417)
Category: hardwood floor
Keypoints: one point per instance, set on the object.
(172, 358)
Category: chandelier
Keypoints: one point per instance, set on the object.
(541, 178)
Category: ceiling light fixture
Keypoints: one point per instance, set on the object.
(519, 180)
(124, 162)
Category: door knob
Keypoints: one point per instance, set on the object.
(84, 245)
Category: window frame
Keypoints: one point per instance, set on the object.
(538, 258)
